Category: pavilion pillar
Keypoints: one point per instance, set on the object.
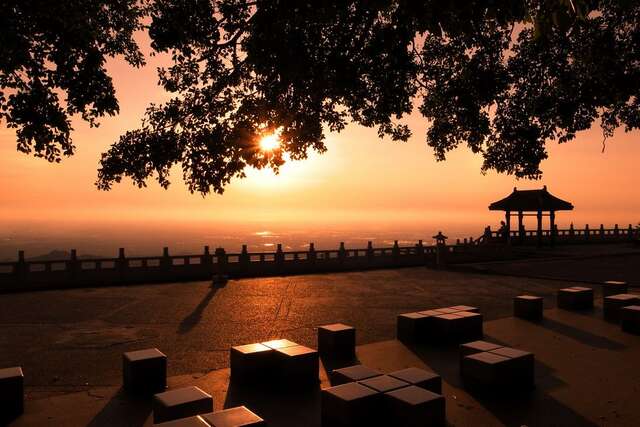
(520, 227)
(552, 224)
(539, 229)
(508, 223)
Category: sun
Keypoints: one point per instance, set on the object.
(269, 142)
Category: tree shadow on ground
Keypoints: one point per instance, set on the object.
(531, 408)
(189, 322)
(123, 410)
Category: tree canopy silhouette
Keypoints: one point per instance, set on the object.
(503, 77)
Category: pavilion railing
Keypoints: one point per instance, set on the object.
(568, 235)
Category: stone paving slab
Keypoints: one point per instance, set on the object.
(586, 375)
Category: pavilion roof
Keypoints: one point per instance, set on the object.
(531, 200)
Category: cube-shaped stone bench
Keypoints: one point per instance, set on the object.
(337, 341)
(575, 298)
(349, 405)
(144, 371)
(420, 378)
(297, 365)
(279, 343)
(613, 303)
(455, 328)
(503, 369)
(412, 327)
(528, 307)
(234, 417)
(181, 403)
(612, 287)
(630, 319)
(251, 363)
(414, 407)
(474, 347)
(469, 308)
(353, 373)
(196, 421)
(11, 394)
(384, 383)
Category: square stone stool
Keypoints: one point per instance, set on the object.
(420, 378)
(528, 307)
(612, 287)
(521, 367)
(613, 303)
(465, 308)
(352, 373)
(196, 421)
(181, 403)
(349, 405)
(446, 310)
(11, 394)
(485, 370)
(337, 341)
(630, 319)
(414, 407)
(446, 328)
(297, 365)
(251, 363)
(144, 371)
(575, 298)
(384, 383)
(282, 343)
(476, 347)
(234, 417)
(411, 327)
(471, 326)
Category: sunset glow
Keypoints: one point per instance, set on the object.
(269, 142)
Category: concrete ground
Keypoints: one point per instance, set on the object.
(586, 376)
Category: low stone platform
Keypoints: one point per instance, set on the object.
(566, 346)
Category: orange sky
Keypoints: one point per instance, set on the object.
(360, 180)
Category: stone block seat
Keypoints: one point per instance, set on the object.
(474, 347)
(575, 298)
(414, 407)
(499, 370)
(455, 328)
(613, 303)
(353, 373)
(11, 394)
(384, 383)
(612, 287)
(144, 371)
(349, 405)
(528, 307)
(297, 365)
(196, 421)
(420, 378)
(181, 403)
(411, 327)
(234, 417)
(337, 341)
(251, 363)
(630, 319)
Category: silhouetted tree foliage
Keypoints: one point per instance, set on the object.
(502, 76)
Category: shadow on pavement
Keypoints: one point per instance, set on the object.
(123, 410)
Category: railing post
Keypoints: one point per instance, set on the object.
(369, 252)
(21, 269)
(630, 233)
(342, 252)
(311, 255)
(206, 258)
(121, 265)
(279, 256)
(587, 232)
(245, 260)
(165, 262)
(222, 261)
(571, 231)
(602, 231)
(616, 231)
(395, 252)
(72, 265)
